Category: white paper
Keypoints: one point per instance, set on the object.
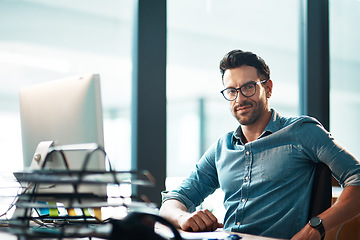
(218, 234)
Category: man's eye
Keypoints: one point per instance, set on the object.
(231, 91)
(248, 87)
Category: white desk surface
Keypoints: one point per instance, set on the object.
(218, 234)
(221, 235)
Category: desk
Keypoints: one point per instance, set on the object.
(80, 231)
(252, 237)
(8, 236)
(165, 232)
(218, 234)
(212, 235)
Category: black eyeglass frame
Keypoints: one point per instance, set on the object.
(239, 90)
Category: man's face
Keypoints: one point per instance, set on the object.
(247, 110)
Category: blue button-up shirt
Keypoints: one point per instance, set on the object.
(267, 182)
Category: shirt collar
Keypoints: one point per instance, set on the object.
(273, 126)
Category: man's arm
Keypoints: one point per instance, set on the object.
(346, 208)
(179, 216)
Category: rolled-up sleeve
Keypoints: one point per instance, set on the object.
(202, 182)
(320, 144)
(166, 195)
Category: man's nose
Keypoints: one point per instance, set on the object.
(239, 97)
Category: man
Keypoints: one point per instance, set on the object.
(265, 167)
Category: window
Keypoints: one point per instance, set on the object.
(46, 40)
(344, 72)
(200, 33)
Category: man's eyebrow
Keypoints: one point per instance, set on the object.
(250, 81)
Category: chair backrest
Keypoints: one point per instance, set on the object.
(321, 193)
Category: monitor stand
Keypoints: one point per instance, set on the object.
(38, 163)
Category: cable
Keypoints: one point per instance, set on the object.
(13, 203)
(338, 232)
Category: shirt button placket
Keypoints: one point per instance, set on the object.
(247, 168)
(244, 194)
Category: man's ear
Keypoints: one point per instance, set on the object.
(268, 88)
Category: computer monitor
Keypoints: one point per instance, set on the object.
(65, 111)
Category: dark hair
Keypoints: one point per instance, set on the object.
(238, 58)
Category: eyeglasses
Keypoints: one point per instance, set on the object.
(247, 90)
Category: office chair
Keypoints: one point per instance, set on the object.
(321, 194)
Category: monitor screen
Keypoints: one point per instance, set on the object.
(65, 111)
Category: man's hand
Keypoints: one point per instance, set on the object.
(199, 221)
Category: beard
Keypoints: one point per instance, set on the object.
(253, 115)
